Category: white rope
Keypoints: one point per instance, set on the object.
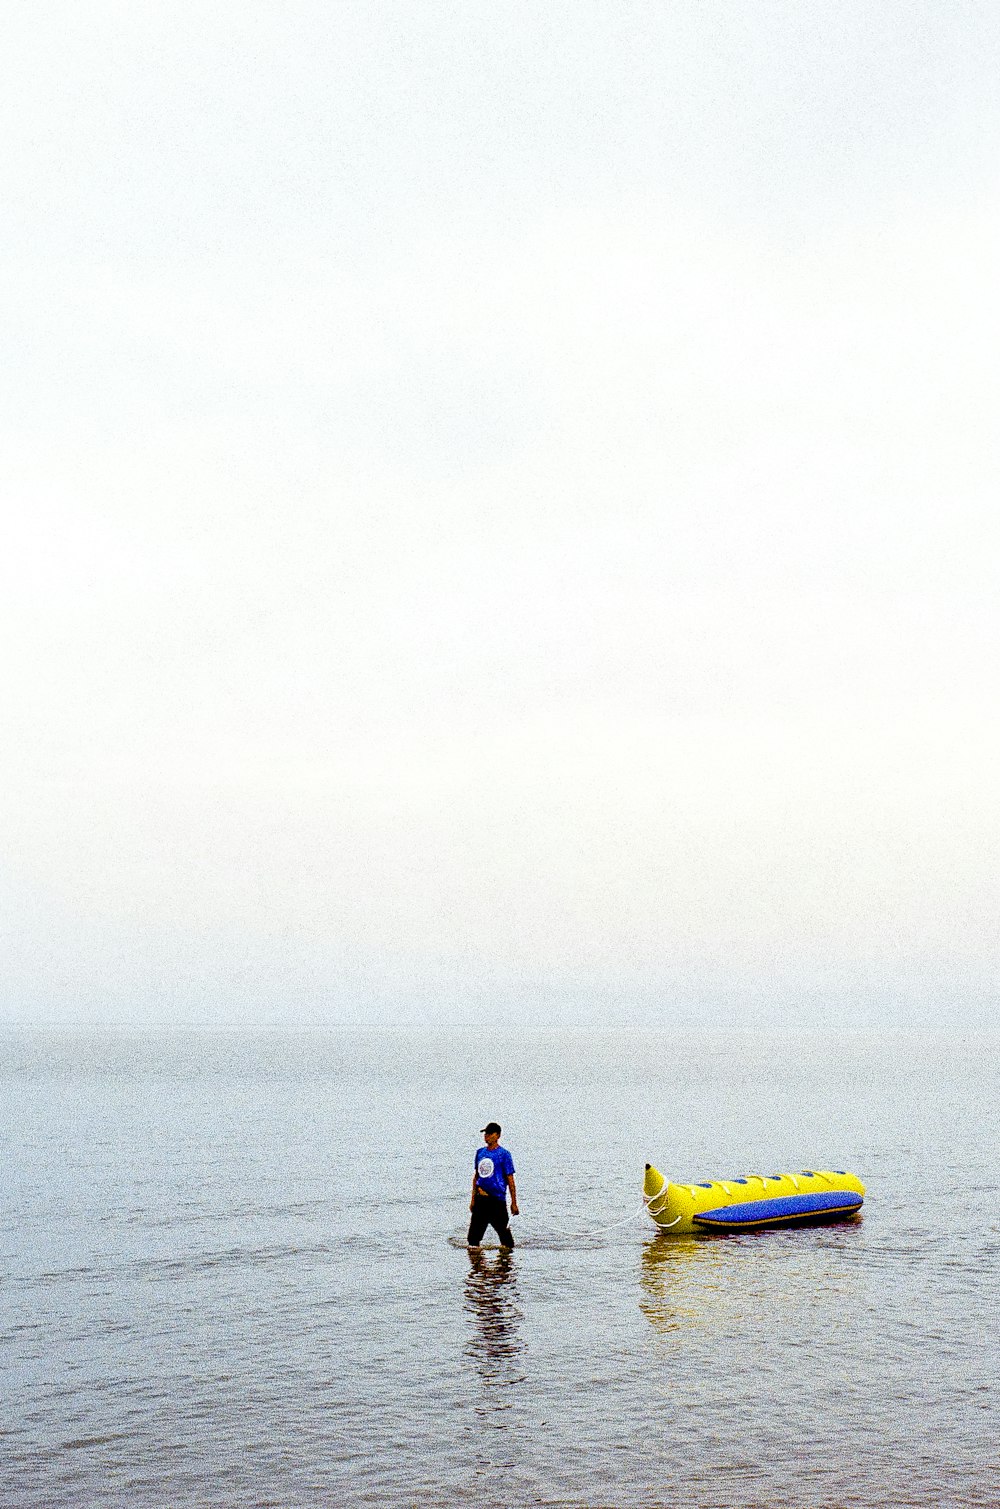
(663, 1195)
(666, 1225)
(596, 1231)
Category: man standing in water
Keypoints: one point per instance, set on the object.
(494, 1175)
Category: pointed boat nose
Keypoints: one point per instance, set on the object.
(653, 1182)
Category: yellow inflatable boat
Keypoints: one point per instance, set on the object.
(752, 1200)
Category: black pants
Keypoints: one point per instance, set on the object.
(490, 1210)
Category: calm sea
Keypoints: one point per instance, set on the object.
(233, 1273)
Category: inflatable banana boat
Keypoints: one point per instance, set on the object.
(752, 1200)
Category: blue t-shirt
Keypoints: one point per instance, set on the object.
(492, 1167)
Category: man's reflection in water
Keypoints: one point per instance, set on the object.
(491, 1301)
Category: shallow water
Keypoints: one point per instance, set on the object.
(233, 1273)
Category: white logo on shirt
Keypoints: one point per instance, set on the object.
(485, 1168)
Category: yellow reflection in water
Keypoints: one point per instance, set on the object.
(763, 1278)
(682, 1281)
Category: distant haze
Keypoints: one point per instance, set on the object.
(501, 512)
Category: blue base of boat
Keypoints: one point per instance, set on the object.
(817, 1207)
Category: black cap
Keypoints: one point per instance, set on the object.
(492, 1126)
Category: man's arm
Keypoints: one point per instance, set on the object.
(472, 1197)
(513, 1195)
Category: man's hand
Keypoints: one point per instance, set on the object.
(513, 1208)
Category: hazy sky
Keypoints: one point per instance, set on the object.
(501, 509)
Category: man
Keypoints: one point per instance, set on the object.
(494, 1175)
